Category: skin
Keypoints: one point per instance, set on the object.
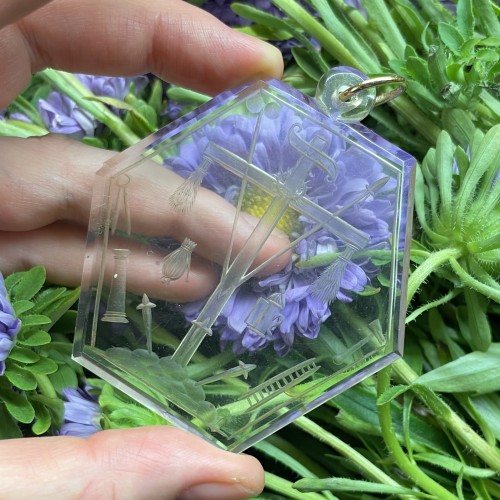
(44, 203)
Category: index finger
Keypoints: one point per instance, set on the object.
(177, 41)
(48, 179)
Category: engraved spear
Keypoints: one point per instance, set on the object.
(145, 307)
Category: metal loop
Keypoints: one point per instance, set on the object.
(376, 82)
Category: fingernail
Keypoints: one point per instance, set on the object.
(269, 61)
(272, 65)
(217, 491)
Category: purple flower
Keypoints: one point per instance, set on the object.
(9, 326)
(345, 189)
(113, 86)
(82, 413)
(62, 115)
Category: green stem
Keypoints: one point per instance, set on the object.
(383, 51)
(367, 468)
(284, 487)
(312, 26)
(473, 283)
(446, 416)
(434, 303)
(408, 467)
(18, 128)
(29, 110)
(436, 11)
(381, 18)
(332, 45)
(73, 88)
(433, 262)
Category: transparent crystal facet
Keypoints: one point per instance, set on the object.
(246, 263)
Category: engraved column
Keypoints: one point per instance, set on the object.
(115, 310)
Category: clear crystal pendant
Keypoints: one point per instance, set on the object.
(249, 261)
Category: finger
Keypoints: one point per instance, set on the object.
(145, 463)
(177, 41)
(60, 247)
(47, 179)
(12, 10)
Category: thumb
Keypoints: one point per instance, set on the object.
(144, 463)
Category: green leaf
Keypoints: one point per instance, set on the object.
(451, 37)
(444, 166)
(347, 36)
(20, 104)
(264, 32)
(459, 124)
(8, 426)
(306, 63)
(36, 338)
(484, 155)
(488, 405)
(23, 355)
(44, 366)
(64, 377)
(488, 55)
(20, 128)
(419, 70)
(30, 320)
(186, 96)
(146, 114)
(479, 326)
(487, 17)
(60, 307)
(46, 298)
(110, 101)
(12, 280)
(392, 393)
(424, 97)
(55, 302)
(20, 377)
(360, 405)
(21, 306)
(453, 465)
(380, 17)
(437, 68)
(465, 18)
(17, 405)
(155, 99)
(476, 372)
(354, 486)
(413, 21)
(30, 283)
(95, 142)
(42, 419)
(258, 16)
(462, 159)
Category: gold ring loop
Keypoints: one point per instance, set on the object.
(376, 82)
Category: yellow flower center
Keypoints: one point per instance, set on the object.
(255, 202)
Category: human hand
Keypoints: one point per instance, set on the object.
(44, 203)
(46, 183)
(146, 463)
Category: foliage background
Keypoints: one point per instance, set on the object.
(429, 425)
